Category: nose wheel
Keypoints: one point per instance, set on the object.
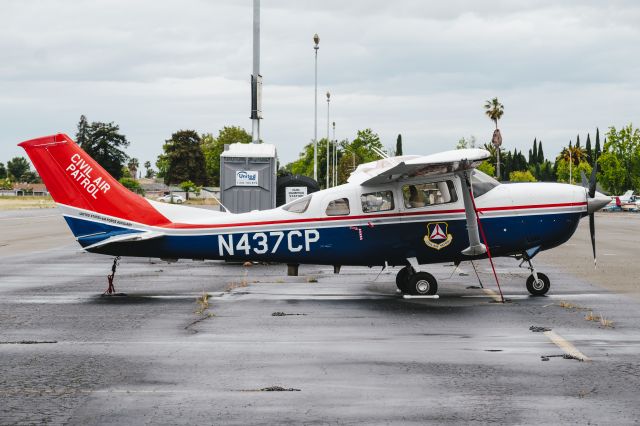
(416, 283)
(538, 283)
(538, 286)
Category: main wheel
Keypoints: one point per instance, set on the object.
(402, 279)
(422, 284)
(540, 287)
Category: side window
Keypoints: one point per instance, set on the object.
(427, 194)
(377, 201)
(339, 207)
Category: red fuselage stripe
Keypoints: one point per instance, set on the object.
(373, 216)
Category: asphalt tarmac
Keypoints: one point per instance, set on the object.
(315, 349)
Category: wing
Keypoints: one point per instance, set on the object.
(400, 168)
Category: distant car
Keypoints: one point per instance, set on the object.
(172, 198)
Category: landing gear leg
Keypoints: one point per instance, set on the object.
(538, 283)
(111, 289)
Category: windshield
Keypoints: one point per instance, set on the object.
(482, 183)
(298, 206)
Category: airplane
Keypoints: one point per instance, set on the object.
(407, 211)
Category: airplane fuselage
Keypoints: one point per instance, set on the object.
(514, 217)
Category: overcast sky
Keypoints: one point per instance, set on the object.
(420, 68)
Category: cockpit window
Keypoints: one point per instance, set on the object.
(482, 183)
(339, 207)
(298, 206)
(426, 194)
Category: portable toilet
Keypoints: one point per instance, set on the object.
(248, 177)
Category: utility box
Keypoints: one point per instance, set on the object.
(248, 177)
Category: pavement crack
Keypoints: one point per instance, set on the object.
(28, 342)
(284, 314)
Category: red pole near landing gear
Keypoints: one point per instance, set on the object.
(111, 290)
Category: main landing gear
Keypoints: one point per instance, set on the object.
(416, 283)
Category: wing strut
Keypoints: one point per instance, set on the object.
(473, 224)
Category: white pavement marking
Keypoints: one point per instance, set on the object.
(565, 345)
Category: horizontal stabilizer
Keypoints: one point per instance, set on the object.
(131, 237)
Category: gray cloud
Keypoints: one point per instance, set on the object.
(418, 68)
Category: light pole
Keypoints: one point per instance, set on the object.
(328, 139)
(335, 156)
(316, 40)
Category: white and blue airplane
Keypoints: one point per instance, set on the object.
(405, 211)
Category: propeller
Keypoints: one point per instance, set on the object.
(592, 206)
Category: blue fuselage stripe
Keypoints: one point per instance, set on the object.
(364, 245)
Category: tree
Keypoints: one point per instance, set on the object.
(521, 176)
(188, 186)
(620, 159)
(571, 175)
(133, 165)
(464, 143)
(588, 150)
(494, 110)
(399, 145)
(3, 171)
(540, 153)
(17, 167)
(104, 143)
(6, 184)
(82, 135)
(574, 153)
(150, 173)
(132, 185)
(185, 158)
(487, 167)
(534, 154)
(578, 141)
(597, 151)
(213, 147)
(31, 176)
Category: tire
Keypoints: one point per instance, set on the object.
(178, 201)
(402, 278)
(539, 288)
(422, 284)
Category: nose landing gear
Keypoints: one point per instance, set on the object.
(538, 283)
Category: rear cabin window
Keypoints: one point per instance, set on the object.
(339, 207)
(427, 194)
(377, 201)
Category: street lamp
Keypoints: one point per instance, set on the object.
(328, 139)
(335, 156)
(316, 40)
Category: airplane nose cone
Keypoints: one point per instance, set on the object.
(598, 201)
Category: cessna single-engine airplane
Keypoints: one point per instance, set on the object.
(408, 210)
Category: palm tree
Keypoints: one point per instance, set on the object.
(133, 167)
(494, 110)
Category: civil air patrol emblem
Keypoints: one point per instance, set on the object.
(437, 235)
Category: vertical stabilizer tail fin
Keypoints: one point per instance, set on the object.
(76, 180)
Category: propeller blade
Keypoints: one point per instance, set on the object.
(585, 183)
(592, 230)
(592, 182)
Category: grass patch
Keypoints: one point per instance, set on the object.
(312, 280)
(26, 202)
